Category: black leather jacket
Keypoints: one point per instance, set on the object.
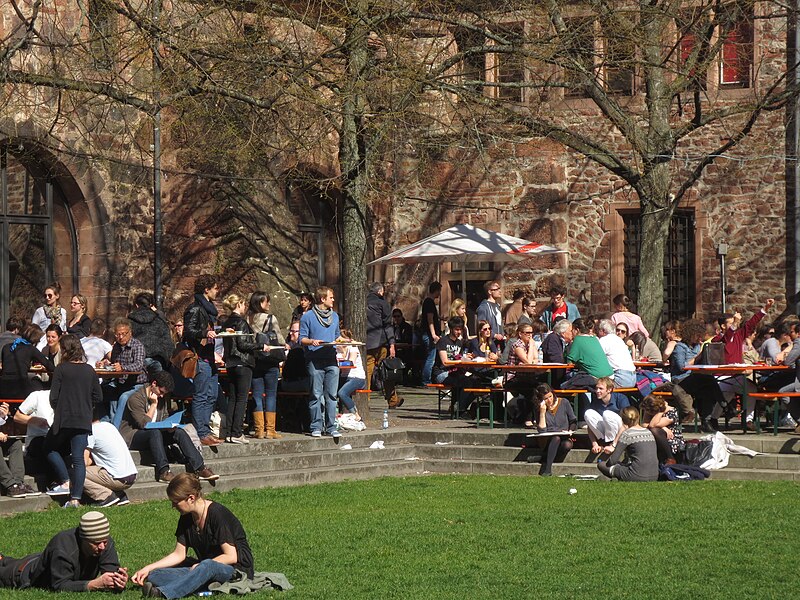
(195, 330)
(239, 350)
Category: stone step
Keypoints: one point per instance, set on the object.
(403, 464)
(764, 442)
(498, 453)
(301, 460)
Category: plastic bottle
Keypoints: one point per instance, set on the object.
(386, 419)
(206, 593)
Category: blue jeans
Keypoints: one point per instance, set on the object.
(624, 378)
(351, 385)
(430, 358)
(324, 385)
(179, 582)
(206, 388)
(265, 390)
(116, 408)
(56, 446)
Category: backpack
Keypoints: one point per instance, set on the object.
(712, 353)
(389, 371)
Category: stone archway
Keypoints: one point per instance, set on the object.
(43, 217)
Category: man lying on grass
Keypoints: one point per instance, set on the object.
(82, 559)
(215, 535)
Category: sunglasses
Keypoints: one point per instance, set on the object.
(622, 331)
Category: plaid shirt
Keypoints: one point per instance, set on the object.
(131, 357)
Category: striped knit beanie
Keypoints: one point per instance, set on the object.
(94, 526)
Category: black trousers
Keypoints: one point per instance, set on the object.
(239, 380)
(156, 441)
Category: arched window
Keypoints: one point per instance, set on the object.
(316, 212)
(37, 234)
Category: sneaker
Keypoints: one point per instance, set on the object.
(336, 434)
(165, 476)
(206, 474)
(16, 491)
(238, 440)
(316, 434)
(788, 421)
(122, 499)
(151, 591)
(58, 490)
(750, 426)
(111, 500)
(72, 504)
(29, 491)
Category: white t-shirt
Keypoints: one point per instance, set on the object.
(617, 353)
(354, 354)
(95, 349)
(110, 451)
(37, 404)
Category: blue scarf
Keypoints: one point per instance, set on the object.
(18, 341)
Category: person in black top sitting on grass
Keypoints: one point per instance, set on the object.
(214, 534)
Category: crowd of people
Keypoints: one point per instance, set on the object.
(86, 402)
(604, 350)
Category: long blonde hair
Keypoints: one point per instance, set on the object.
(454, 306)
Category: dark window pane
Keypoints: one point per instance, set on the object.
(679, 255)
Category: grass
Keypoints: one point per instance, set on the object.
(486, 537)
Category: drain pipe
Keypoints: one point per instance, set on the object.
(722, 251)
(792, 167)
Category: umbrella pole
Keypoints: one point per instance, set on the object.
(464, 281)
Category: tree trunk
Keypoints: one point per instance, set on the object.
(354, 168)
(657, 210)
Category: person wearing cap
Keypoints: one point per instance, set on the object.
(81, 559)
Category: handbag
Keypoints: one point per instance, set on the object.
(712, 353)
(273, 356)
(185, 362)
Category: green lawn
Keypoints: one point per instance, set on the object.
(487, 537)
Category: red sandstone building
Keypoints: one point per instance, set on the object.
(76, 185)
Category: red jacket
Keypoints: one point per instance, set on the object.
(734, 338)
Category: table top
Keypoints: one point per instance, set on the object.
(735, 369)
(535, 367)
(113, 374)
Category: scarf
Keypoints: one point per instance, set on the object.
(20, 341)
(324, 315)
(208, 306)
(53, 313)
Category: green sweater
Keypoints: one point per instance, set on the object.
(587, 354)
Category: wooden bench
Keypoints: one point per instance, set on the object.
(483, 396)
(767, 397)
(444, 392)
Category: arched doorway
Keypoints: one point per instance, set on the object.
(317, 214)
(38, 242)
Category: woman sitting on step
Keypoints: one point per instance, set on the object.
(555, 415)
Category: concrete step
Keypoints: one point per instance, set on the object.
(392, 462)
(764, 442)
(497, 453)
(291, 477)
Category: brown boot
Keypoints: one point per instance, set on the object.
(258, 425)
(271, 433)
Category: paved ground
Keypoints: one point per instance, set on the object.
(419, 410)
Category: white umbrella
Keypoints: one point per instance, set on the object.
(465, 243)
